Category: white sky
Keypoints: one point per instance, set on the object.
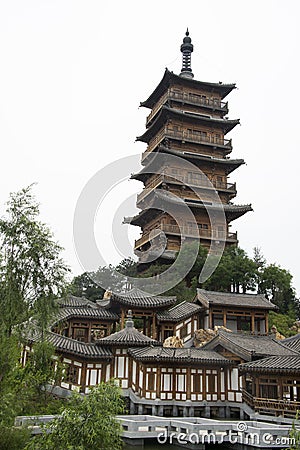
(74, 72)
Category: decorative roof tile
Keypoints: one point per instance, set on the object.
(138, 298)
(280, 364)
(231, 299)
(179, 312)
(185, 355)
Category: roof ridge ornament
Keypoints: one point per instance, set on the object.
(129, 321)
(186, 48)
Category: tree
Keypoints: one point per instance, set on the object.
(87, 422)
(32, 273)
(276, 284)
(236, 272)
(31, 269)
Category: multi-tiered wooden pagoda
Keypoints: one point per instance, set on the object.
(186, 164)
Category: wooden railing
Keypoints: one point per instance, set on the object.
(183, 136)
(184, 231)
(285, 408)
(186, 181)
(188, 98)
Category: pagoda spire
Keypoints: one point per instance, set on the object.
(186, 48)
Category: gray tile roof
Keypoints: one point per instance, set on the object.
(179, 312)
(70, 301)
(185, 355)
(231, 299)
(248, 347)
(137, 298)
(293, 342)
(128, 337)
(279, 364)
(86, 313)
(70, 346)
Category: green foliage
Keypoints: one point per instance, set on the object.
(12, 438)
(236, 272)
(87, 422)
(276, 284)
(31, 270)
(283, 322)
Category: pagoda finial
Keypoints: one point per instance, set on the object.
(186, 48)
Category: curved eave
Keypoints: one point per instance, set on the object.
(151, 167)
(166, 113)
(232, 212)
(169, 78)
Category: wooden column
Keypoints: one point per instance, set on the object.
(188, 383)
(267, 323)
(210, 321)
(252, 322)
(204, 384)
(154, 331)
(158, 381)
(224, 318)
(122, 318)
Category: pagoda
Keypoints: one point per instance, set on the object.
(186, 166)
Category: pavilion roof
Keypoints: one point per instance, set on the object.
(68, 345)
(247, 346)
(76, 302)
(127, 337)
(279, 364)
(170, 78)
(178, 355)
(292, 342)
(179, 312)
(86, 313)
(138, 298)
(208, 298)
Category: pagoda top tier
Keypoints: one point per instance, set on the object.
(170, 78)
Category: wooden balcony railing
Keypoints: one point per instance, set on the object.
(286, 408)
(186, 181)
(188, 136)
(185, 231)
(188, 98)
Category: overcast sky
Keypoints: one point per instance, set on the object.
(74, 72)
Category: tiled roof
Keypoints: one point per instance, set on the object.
(178, 312)
(159, 197)
(293, 342)
(187, 355)
(285, 363)
(169, 77)
(70, 301)
(70, 346)
(247, 346)
(127, 337)
(137, 298)
(87, 313)
(231, 299)
(166, 113)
